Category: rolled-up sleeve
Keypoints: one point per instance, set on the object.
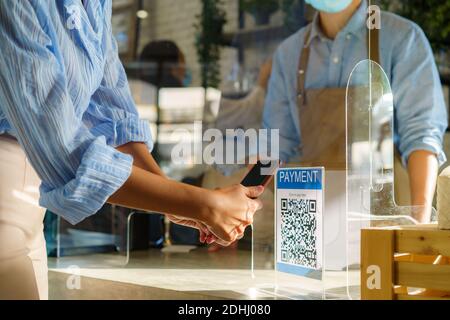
(421, 115)
(79, 171)
(112, 111)
(277, 114)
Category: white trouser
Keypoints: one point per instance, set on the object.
(23, 258)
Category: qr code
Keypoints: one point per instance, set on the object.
(298, 232)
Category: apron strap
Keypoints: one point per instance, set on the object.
(373, 45)
(373, 50)
(302, 66)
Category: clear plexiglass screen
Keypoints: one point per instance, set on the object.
(373, 164)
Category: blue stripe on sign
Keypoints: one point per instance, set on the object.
(310, 179)
(299, 271)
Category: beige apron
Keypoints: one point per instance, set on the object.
(322, 122)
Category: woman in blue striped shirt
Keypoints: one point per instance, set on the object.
(64, 98)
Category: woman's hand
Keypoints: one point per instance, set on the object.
(230, 211)
(226, 212)
(205, 234)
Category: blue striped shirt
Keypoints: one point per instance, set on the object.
(420, 114)
(64, 95)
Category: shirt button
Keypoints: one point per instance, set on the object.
(301, 71)
(348, 37)
(336, 60)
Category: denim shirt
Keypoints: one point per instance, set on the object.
(420, 115)
(64, 95)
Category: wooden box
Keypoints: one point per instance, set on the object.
(410, 262)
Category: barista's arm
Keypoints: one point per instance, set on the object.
(423, 169)
(420, 112)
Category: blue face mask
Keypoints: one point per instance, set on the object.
(330, 6)
(187, 81)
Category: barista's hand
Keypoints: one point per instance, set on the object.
(231, 210)
(422, 213)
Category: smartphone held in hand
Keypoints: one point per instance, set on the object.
(261, 173)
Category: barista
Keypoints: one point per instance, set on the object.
(306, 97)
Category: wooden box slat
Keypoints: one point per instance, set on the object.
(421, 275)
(418, 297)
(426, 242)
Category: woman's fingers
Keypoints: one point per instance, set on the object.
(211, 239)
(205, 234)
(256, 205)
(238, 234)
(253, 206)
(254, 192)
(234, 211)
(239, 231)
(231, 236)
(203, 228)
(225, 235)
(202, 237)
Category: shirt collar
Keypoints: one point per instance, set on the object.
(356, 25)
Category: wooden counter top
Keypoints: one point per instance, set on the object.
(195, 275)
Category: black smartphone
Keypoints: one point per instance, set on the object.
(261, 173)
